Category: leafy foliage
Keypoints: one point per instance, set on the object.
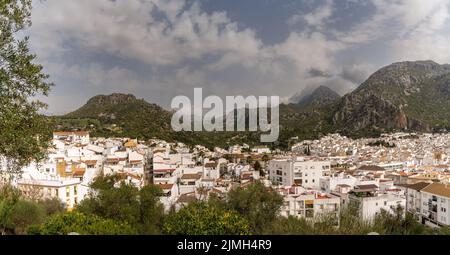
(24, 131)
(117, 200)
(63, 224)
(201, 218)
(257, 204)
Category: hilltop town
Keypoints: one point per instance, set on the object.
(315, 177)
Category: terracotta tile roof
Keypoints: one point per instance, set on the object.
(166, 170)
(211, 164)
(90, 162)
(438, 189)
(165, 186)
(367, 187)
(418, 186)
(371, 168)
(79, 172)
(187, 198)
(190, 176)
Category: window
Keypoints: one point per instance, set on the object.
(313, 181)
(376, 204)
(75, 190)
(67, 192)
(385, 203)
(306, 181)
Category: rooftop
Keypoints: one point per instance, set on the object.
(438, 189)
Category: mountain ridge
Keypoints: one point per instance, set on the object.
(411, 95)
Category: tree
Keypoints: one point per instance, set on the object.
(24, 132)
(9, 197)
(115, 199)
(201, 218)
(16, 214)
(62, 224)
(257, 166)
(307, 151)
(24, 214)
(265, 158)
(152, 211)
(290, 226)
(258, 204)
(249, 160)
(52, 206)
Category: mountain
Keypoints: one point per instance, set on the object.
(402, 96)
(405, 95)
(319, 97)
(123, 114)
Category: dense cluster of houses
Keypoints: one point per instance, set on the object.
(320, 177)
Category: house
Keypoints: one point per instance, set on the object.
(66, 190)
(414, 199)
(81, 137)
(436, 204)
(370, 203)
(170, 195)
(189, 183)
(310, 204)
(261, 150)
(306, 173)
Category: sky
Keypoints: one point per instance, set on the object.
(159, 49)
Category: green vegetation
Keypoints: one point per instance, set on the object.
(255, 203)
(24, 131)
(122, 209)
(202, 218)
(18, 214)
(63, 224)
(385, 223)
(125, 203)
(382, 143)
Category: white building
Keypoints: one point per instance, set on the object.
(310, 205)
(306, 173)
(370, 202)
(414, 199)
(436, 204)
(81, 137)
(67, 190)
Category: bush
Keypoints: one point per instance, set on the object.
(62, 224)
(25, 214)
(200, 218)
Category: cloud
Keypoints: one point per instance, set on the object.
(163, 48)
(319, 16)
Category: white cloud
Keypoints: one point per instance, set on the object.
(183, 47)
(319, 16)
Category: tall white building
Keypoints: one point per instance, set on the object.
(67, 190)
(436, 204)
(298, 171)
(370, 202)
(310, 205)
